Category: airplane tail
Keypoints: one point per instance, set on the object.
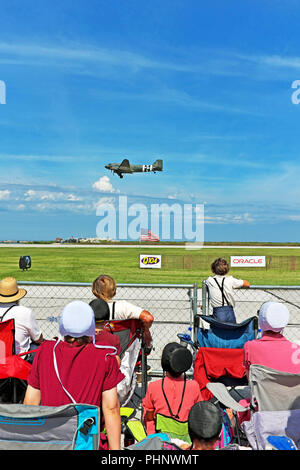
(158, 165)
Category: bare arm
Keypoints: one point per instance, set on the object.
(40, 340)
(149, 415)
(111, 413)
(118, 360)
(32, 396)
(146, 318)
(246, 284)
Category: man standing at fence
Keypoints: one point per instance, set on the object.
(221, 290)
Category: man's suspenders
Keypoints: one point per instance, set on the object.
(222, 291)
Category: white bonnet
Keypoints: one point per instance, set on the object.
(273, 316)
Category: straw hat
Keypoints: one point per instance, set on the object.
(9, 290)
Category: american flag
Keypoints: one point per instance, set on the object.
(147, 235)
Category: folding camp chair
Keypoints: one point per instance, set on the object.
(220, 365)
(130, 333)
(274, 407)
(67, 427)
(281, 443)
(14, 370)
(225, 334)
(219, 353)
(132, 428)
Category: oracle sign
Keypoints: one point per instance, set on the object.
(248, 261)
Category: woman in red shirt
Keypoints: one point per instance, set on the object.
(76, 370)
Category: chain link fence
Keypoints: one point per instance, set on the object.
(173, 307)
(248, 302)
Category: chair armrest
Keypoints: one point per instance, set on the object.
(221, 393)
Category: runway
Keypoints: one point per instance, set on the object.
(189, 246)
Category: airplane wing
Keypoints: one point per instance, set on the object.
(125, 164)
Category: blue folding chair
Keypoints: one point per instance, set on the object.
(226, 335)
(281, 443)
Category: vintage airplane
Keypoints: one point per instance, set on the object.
(125, 167)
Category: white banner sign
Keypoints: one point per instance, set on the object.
(150, 261)
(248, 261)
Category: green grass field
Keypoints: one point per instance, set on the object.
(179, 266)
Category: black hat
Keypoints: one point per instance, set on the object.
(205, 420)
(176, 359)
(101, 309)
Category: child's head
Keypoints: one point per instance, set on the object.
(104, 287)
(101, 311)
(220, 267)
(176, 359)
(204, 422)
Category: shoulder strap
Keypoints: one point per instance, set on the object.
(113, 310)
(222, 291)
(180, 405)
(56, 366)
(58, 376)
(1, 318)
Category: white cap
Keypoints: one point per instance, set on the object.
(273, 316)
(77, 319)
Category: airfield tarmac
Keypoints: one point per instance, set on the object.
(137, 245)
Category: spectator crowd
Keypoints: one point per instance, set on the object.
(84, 363)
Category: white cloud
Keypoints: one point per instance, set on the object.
(30, 194)
(229, 219)
(50, 196)
(4, 194)
(104, 185)
(104, 202)
(294, 218)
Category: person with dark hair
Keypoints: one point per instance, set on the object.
(105, 287)
(174, 394)
(102, 335)
(221, 290)
(205, 425)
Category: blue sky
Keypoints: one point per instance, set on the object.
(207, 87)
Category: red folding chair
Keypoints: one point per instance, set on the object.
(219, 365)
(14, 370)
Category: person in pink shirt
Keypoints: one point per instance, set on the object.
(272, 350)
(174, 395)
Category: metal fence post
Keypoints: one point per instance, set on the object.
(195, 306)
(204, 298)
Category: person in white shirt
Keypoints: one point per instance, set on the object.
(221, 290)
(27, 330)
(104, 287)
